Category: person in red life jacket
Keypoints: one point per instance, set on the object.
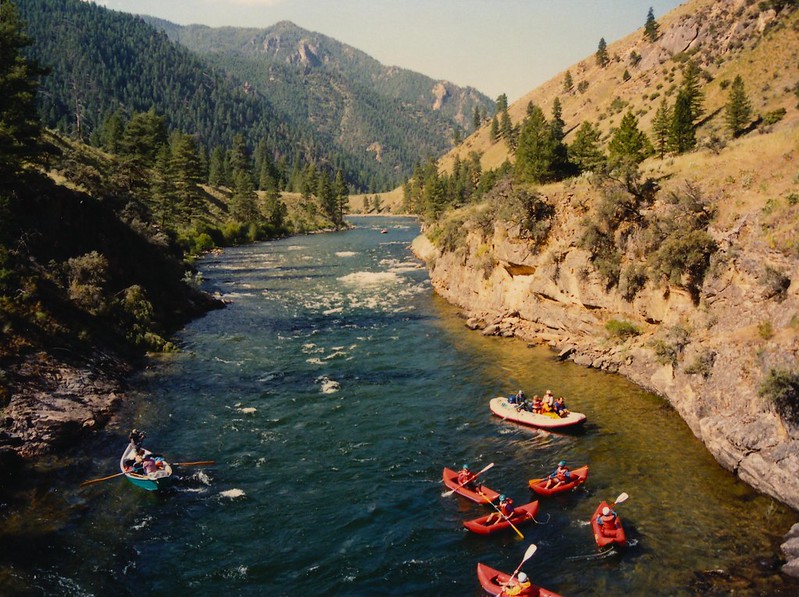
(468, 479)
(538, 406)
(506, 510)
(607, 522)
(559, 477)
(520, 585)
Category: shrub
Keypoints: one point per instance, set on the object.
(774, 116)
(765, 329)
(448, 234)
(702, 364)
(782, 388)
(633, 279)
(87, 276)
(776, 283)
(669, 349)
(684, 259)
(622, 329)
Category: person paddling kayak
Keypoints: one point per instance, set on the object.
(560, 476)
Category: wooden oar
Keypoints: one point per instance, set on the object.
(451, 491)
(513, 526)
(92, 481)
(527, 555)
(198, 463)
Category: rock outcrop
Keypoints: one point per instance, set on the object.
(708, 360)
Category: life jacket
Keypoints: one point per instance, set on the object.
(607, 522)
(465, 477)
(520, 588)
(563, 473)
(506, 507)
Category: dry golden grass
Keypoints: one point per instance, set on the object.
(769, 65)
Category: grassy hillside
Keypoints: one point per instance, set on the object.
(724, 38)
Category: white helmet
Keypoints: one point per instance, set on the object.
(605, 510)
(522, 577)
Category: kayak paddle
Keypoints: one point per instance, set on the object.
(527, 555)
(451, 491)
(513, 526)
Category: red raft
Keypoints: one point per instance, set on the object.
(578, 476)
(491, 581)
(602, 536)
(521, 514)
(451, 480)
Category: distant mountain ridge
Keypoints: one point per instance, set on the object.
(340, 94)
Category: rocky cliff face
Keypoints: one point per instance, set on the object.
(707, 359)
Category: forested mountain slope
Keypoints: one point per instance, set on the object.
(338, 93)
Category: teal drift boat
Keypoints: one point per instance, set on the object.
(143, 468)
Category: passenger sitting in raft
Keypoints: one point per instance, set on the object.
(559, 477)
(517, 586)
(467, 478)
(607, 521)
(505, 509)
(538, 405)
(549, 402)
(517, 398)
(560, 407)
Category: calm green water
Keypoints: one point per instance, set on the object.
(332, 391)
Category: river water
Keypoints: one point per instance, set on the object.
(331, 392)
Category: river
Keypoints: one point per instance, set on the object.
(331, 392)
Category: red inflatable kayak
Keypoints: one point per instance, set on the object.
(491, 581)
(578, 476)
(521, 514)
(602, 536)
(451, 480)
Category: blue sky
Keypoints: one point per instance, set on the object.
(497, 46)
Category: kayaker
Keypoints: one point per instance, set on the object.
(517, 586)
(607, 521)
(505, 510)
(467, 478)
(560, 407)
(559, 477)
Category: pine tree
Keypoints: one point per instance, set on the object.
(476, 118)
(342, 196)
(661, 128)
(602, 58)
(568, 82)
(217, 167)
(506, 130)
(691, 86)
(651, 27)
(629, 145)
(144, 135)
(738, 110)
(243, 204)
(585, 150)
(494, 129)
(19, 122)
(111, 131)
(502, 103)
(186, 173)
(682, 133)
(536, 152)
(162, 190)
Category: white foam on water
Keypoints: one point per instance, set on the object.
(328, 386)
(248, 410)
(142, 524)
(346, 253)
(232, 493)
(334, 310)
(370, 278)
(314, 361)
